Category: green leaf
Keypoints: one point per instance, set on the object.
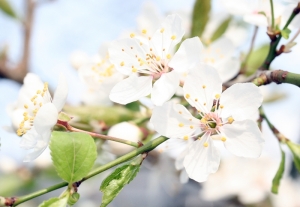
(295, 148)
(55, 202)
(200, 17)
(7, 9)
(279, 173)
(257, 58)
(73, 154)
(285, 33)
(221, 29)
(133, 106)
(116, 181)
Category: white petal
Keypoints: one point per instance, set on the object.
(164, 88)
(241, 101)
(201, 161)
(243, 138)
(162, 38)
(45, 118)
(201, 86)
(173, 121)
(124, 54)
(131, 89)
(29, 140)
(228, 68)
(184, 177)
(256, 19)
(187, 55)
(221, 48)
(61, 93)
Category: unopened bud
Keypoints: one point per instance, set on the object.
(289, 46)
(126, 131)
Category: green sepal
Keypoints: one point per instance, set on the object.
(279, 173)
(295, 149)
(285, 33)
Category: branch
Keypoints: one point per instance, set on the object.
(18, 73)
(275, 39)
(146, 148)
(277, 76)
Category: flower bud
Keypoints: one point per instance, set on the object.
(126, 131)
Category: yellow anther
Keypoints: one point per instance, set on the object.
(173, 37)
(141, 43)
(230, 120)
(187, 95)
(180, 124)
(168, 56)
(38, 91)
(162, 30)
(192, 127)
(25, 114)
(196, 99)
(223, 139)
(123, 50)
(217, 96)
(26, 106)
(122, 63)
(150, 49)
(180, 112)
(41, 104)
(134, 70)
(158, 58)
(190, 119)
(203, 120)
(34, 102)
(144, 31)
(221, 106)
(185, 137)
(132, 35)
(205, 144)
(26, 118)
(204, 104)
(204, 86)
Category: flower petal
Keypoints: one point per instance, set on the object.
(61, 93)
(45, 118)
(201, 161)
(170, 33)
(124, 54)
(243, 138)
(201, 86)
(29, 140)
(164, 88)
(259, 20)
(240, 101)
(221, 48)
(187, 55)
(174, 121)
(131, 89)
(41, 145)
(228, 68)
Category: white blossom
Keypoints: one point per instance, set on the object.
(225, 117)
(36, 113)
(153, 62)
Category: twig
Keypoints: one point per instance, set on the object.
(18, 73)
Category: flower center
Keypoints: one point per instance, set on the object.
(210, 123)
(103, 69)
(30, 109)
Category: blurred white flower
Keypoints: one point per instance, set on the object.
(145, 63)
(36, 113)
(219, 54)
(251, 185)
(228, 120)
(79, 58)
(99, 77)
(123, 130)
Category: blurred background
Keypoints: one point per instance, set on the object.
(64, 34)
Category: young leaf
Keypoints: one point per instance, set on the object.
(200, 17)
(73, 154)
(279, 173)
(256, 59)
(7, 9)
(55, 202)
(295, 148)
(285, 33)
(221, 29)
(116, 181)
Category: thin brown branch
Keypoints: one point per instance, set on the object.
(18, 72)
